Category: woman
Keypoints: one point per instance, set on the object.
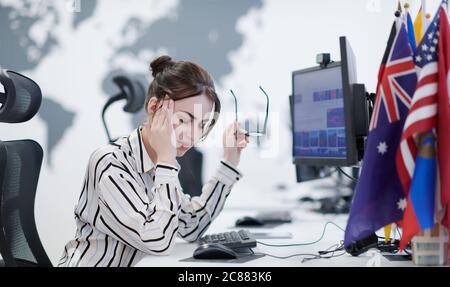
(132, 203)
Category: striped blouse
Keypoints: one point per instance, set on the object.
(130, 207)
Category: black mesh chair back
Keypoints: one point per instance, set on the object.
(20, 165)
(21, 98)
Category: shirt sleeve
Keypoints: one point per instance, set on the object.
(127, 214)
(198, 212)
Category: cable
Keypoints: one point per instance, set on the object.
(286, 257)
(323, 257)
(303, 244)
(338, 247)
(312, 256)
(346, 174)
(321, 254)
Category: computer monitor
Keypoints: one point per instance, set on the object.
(323, 119)
(306, 172)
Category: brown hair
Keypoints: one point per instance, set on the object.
(180, 80)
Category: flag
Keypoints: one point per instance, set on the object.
(418, 26)
(379, 191)
(443, 122)
(420, 204)
(391, 39)
(411, 35)
(416, 159)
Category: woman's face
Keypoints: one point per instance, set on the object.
(190, 118)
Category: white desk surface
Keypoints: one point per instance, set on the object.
(307, 226)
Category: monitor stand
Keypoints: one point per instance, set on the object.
(338, 203)
(335, 205)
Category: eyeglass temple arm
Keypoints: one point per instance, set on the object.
(235, 105)
(267, 109)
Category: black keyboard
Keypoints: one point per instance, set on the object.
(232, 240)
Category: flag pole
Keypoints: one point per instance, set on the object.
(424, 17)
(428, 16)
(406, 9)
(387, 233)
(398, 15)
(398, 22)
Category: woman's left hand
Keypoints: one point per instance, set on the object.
(234, 141)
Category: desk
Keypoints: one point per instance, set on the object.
(307, 226)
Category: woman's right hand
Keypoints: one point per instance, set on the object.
(161, 135)
(234, 141)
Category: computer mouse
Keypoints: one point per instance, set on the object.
(249, 221)
(214, 251)
(306, 199)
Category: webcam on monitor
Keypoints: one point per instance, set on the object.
(330, 112)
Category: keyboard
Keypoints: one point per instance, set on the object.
(232, 240)
(275, 217)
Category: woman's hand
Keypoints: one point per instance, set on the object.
(234, 141)
(161, 135)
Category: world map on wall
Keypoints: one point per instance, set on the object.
(202, 31)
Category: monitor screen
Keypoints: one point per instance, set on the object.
(319, 117)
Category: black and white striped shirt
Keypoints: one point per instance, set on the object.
(130, 207)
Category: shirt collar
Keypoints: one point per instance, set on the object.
(143, 160)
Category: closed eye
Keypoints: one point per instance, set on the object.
(189, 114)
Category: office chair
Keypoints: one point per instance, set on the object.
(132, 92)
(20, 165)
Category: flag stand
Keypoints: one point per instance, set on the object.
(430, 247)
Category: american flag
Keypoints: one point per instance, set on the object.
(423, 110)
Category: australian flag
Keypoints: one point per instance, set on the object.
(379, 198)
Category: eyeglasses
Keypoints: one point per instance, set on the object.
(257, 133)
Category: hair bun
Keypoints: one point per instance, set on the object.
(159, 64)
